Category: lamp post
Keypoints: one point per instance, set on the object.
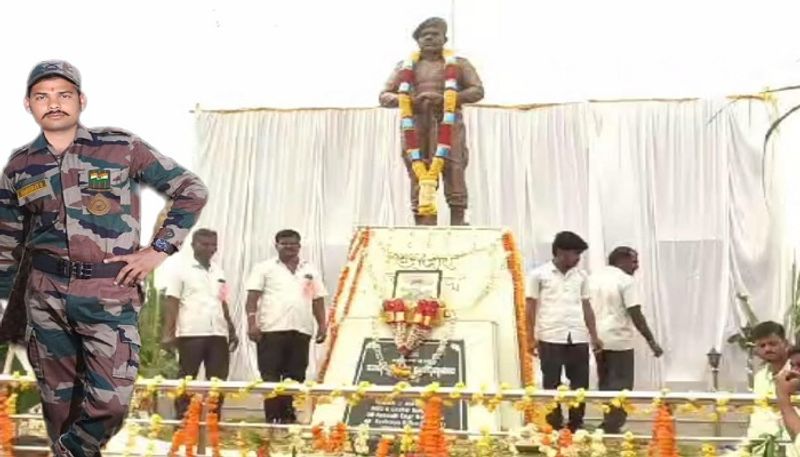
(714, 359)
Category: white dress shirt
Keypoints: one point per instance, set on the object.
(286, 300)
(200, 292)
(559, 312)
(612, 292)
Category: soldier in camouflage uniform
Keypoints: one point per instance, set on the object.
(80, 189)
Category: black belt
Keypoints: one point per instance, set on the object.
(77, 270)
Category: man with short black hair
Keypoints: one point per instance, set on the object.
(196, 317)
(561, 314)
(70, 210)
(617, 304)
(771, 346)
(285, 295)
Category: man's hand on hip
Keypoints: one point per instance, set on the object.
(139, 265)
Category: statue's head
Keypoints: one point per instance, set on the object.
(431, 34)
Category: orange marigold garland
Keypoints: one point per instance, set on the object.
(212, 419)
(263, 450)
(384, 446)
(337, 438)
(432, 440)
(564, 443)
(188, 433)
(333, 322)
(178, 438)
(514, 260)
(319, 439)
(7, 429)
(663, 443)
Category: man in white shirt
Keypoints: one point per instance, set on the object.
(771, 347)
(196, 317)
(285, 295)
(787, 383)
(618, 309)
(560, 312)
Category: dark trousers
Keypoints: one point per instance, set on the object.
(282, 355)
(574, 358)
(615, 372)
(212, 352)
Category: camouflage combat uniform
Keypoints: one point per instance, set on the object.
(83, 205)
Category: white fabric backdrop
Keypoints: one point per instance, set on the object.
(663, 177)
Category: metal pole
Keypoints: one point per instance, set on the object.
(715, 386)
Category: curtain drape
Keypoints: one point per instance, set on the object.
(680, 181)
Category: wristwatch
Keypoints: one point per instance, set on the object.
(162, 245)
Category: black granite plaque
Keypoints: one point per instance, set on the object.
(448, 372)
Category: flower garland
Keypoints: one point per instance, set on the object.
(333, 322)
(432, 441)
(337, 438)
(361, 442)
(411, 326)
(514, 259)
(132, 429)
(319, 439)
(188, 433)
(212, 420)
(565, 443)
(628, 445)
(400, 368)
(597, 448)
(8, 406)
(384, 446)
(407, 440)
(428, 177)
(152, 435)
(241, 443)
(485, 444)
(708, 450)
(663, 443)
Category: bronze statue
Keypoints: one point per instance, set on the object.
(437, 85)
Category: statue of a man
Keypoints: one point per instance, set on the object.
(431, 87)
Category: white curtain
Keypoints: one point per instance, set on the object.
(679, 181)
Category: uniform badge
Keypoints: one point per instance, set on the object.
(31, 189)
(99, 180)
(99, 205)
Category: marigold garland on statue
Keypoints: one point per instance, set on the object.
(428, 177)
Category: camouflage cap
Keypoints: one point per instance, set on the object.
(60, 68)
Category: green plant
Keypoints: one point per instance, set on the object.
(153, 359)
(28, 398)
(792, 317)
(744, 337)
